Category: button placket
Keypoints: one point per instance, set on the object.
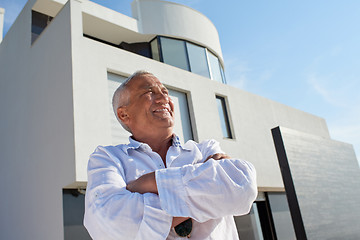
(157, 159)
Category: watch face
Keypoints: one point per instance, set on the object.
(184, 229)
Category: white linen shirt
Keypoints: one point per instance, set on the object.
(210, 193)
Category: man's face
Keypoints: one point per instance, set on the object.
(150, 108)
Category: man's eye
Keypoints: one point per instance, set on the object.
(147, 92)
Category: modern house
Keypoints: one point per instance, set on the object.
(60, 63)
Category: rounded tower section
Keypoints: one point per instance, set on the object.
(178, 21)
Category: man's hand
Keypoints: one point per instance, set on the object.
(177, 220)
(218, 156)
(145, 183)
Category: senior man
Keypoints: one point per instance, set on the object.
(155, 187)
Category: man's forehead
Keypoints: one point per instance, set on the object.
(147, 81)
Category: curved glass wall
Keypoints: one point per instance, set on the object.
(178, 53)
(174, 53)
(215, 67)
(187, 56)
(198, 60)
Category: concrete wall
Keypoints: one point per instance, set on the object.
(326, 177)
(37, 135)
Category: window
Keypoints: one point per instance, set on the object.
(39, 22)
(249, 226)
(197, 59)
(155, 49)
(73, 215)
(188, 56)
(269, 218)
(215, 67)
(174, 53)
(224, 119)
(222, 74)
(182, 126)
(118, 134)
(281, 215)
(141, 48)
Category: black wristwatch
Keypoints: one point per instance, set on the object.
(184, 229)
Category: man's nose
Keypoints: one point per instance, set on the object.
(161, 97)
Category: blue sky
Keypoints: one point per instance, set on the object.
(305, 54)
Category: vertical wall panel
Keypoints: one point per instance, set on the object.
(325, 177)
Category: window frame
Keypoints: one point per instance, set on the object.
(187, 43)
(227, 117)
(36, 29)
(185, 52)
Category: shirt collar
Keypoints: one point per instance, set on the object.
(133, 144)
(177, 143)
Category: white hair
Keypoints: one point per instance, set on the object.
(121, 96)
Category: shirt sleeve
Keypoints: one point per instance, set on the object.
(208, 148)
(209, 190)
(112, 212)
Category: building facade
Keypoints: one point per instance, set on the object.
(59, 65)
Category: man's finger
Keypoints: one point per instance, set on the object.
(218, 156)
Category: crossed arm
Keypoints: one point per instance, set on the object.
(109, 204)
(147, 184)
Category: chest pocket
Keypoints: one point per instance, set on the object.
(191, 155)
(138, 163)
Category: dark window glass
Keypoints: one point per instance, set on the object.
(73, 215)
(155, 49)
(224, 119)
(174, 53)
(215, 67)
(39, 22)
(141, 48)
(197, 59)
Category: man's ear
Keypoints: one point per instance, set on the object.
(122, 114)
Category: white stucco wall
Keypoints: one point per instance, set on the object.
(36, 131)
